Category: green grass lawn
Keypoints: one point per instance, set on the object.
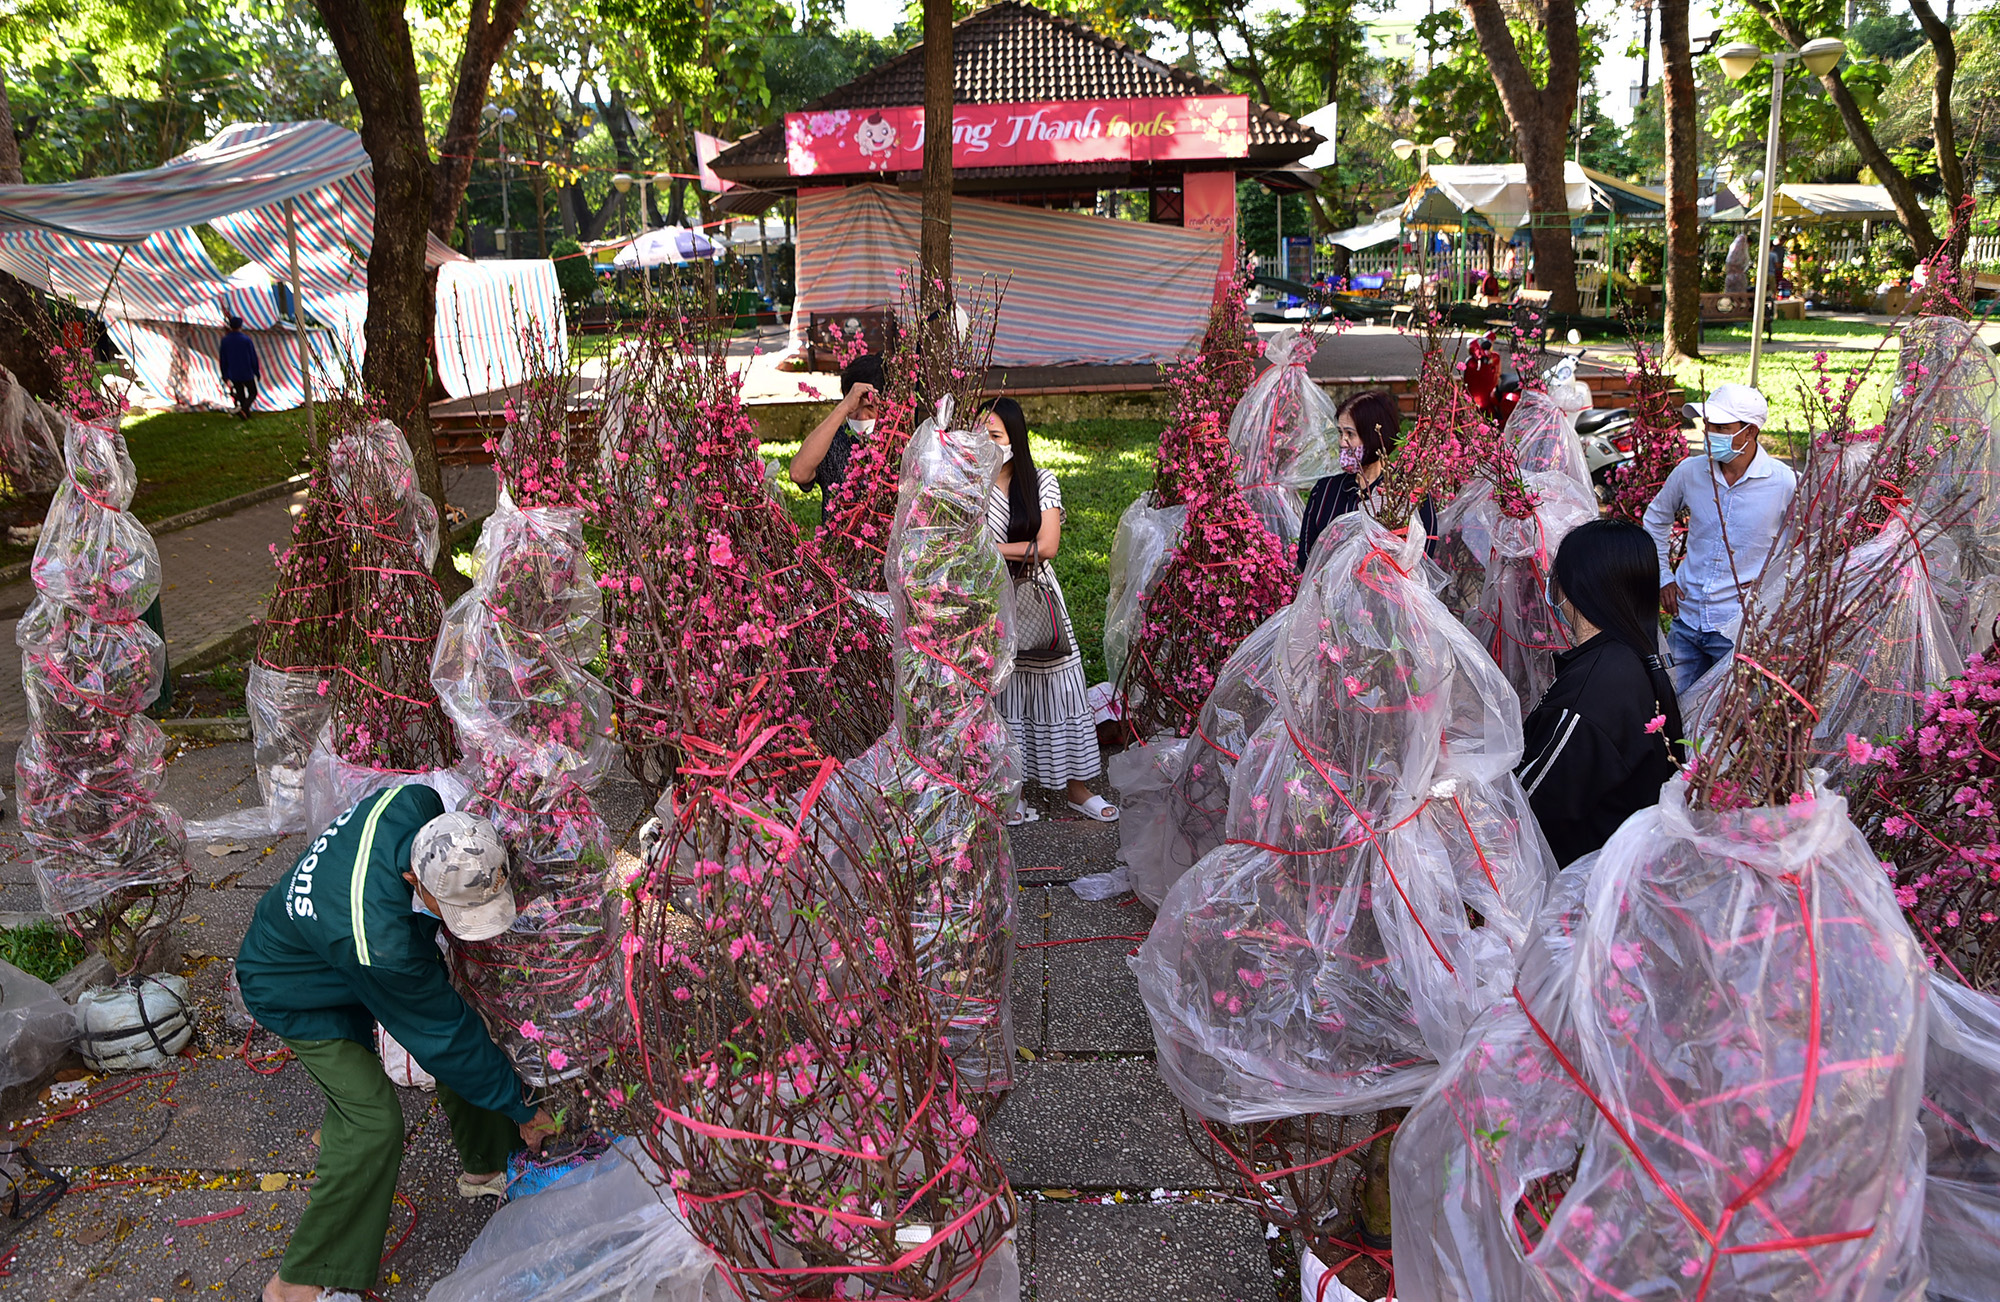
(1103, 465)
(1785, 379)
(197, 458)
(1810, 328)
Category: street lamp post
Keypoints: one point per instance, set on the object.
(500, 117)
(1442, 147)
(1737, 60)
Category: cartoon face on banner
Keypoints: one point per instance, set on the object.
(875, 140)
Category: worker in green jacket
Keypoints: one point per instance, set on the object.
(347, 939)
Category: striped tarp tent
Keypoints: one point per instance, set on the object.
(488, 314)
(1062, 271)
(123, 247)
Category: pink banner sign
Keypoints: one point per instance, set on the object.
(845, 141)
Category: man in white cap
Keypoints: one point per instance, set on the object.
(347, 939)
(1736, 495)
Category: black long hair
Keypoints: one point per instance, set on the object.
(1024, 491)
(1610, 571)
(1378, 419)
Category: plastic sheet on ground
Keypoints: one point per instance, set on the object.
(607, 1232)
(1381, 867)
(1704, 1083)
(1174, 792)
(1145, 538)
(1961, 1121)
(1287, 436)
(36, 1026)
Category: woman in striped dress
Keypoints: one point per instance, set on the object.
(1045, 702)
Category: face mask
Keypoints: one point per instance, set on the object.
(1549, 599)
(1722, 447)
(862, 427)
(1006, 453)
(1350, 459)
(417, 906)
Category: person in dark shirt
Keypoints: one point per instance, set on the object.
(822, 459)
(1370, 425)
(1607, 734)
(347, 939)
(237, 358)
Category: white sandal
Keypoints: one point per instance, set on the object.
(1023, 813)
(1097, 809)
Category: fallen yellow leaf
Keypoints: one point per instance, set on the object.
(274, 1182)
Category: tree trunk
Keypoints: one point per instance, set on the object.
(373, 40)
(1540, 118)
(935, 244)
(1909, 209)
(10, 149)
(486, 35)
(1682, 263)
(25, 329)
(1951, 169)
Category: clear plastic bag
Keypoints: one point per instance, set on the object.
(288, 712)
(1145, 539)
(89, 769)
(1286, 434)
(606, 1232)
(1951, 382)
(375, 479)
(1542, 428)
(1174, 800)
(30, 438)
(1961, 1121)
(333, 786)
(1629, 1122)
(1381, 867)
(36, 1026)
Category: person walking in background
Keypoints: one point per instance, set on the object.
(1607, 734)
(236, 356)
(1736, 495)
(1046, 702)
(822, 459)
(1370, 426)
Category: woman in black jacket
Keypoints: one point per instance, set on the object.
(1606, 736)
(1371, 425)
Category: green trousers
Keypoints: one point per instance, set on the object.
(338, 1243)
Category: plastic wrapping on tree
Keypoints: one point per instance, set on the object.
(1500, 536)
(1381, 866)
(1145, 537)
(288, 712)
(1703, 1085)
(385, 715)
(1226, 574)
(1175, 792)
(537, 726)
(1961, 1122)
(1949, 387)
(88, 771)
(1286, 435)
(31, 457)
(951, 755)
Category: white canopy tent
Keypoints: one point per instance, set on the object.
(1384, 228)
(1494, 192)
(1813, 204)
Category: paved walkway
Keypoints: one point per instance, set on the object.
(217, 576)
(1117, 1205)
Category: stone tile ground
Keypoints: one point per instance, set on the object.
(1089, 1122)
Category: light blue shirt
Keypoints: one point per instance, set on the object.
(1714, 573)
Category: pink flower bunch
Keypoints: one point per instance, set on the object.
(1451, 444)
(1927, 806)
(1657, 443)
(1227, 574)
(716, 612)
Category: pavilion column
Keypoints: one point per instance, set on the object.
(1209, 204)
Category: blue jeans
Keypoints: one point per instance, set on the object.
(1695, 651)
